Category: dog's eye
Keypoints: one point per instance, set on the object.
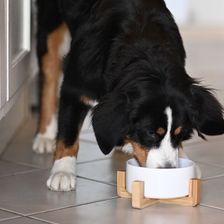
(182, 134)
(186, 134)
(154, 136)
(151, 134)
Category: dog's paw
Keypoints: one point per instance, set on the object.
(43, 144)
(61, 181)
(63, 175)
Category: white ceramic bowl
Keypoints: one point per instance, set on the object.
(161, 183)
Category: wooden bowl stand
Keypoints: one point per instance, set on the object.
(139, 201)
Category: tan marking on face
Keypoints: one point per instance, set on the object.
(85, 100)
(63, 151)
(178, 131)
(140, 153)
(161, 131)
(51, 71)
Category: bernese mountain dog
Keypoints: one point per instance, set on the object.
(128, 56)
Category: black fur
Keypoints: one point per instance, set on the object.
(129, 56)
(49, 18)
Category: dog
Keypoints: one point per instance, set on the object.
(127, 55)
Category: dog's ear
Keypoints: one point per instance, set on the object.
(110, 121)
(207, 112)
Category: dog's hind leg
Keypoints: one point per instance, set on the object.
(73, 110)
(50, 70)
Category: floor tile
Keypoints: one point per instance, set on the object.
(20, 149)
(213, 192)
(87, 126)
(22, 153)
(7, 169)
(210, 152)
(88, 136)
(26, 133)
(120, 211)
(90, 152)
(198, 140)
(28, 193)
(104, 170)
(6, 215)
(23, 220)
(210, 171)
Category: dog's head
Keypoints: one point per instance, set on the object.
(157, 116)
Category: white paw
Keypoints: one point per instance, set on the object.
(46, 142)
(61, 181)
(63, 175)
(42, 144)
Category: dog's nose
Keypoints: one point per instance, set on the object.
(168, 165)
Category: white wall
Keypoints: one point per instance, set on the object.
(197, 12)
(180, 10)
(208, 12)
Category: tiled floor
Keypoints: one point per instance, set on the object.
(25, 199)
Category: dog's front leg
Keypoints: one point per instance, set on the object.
(71, 115)
(50, 71)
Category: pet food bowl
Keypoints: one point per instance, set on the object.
(161, 183)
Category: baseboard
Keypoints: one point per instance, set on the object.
(14, 118)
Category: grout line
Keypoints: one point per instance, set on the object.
(212, 207)
(88, 141)
(211, 164)
(10, 218)
(215, 165)
(10, 211)
(20, 217)
(213, 177)
(26, 164)
(98, 181)
(95, 160)
(98, 201)
(71, 206)
(86, 131)
(21, 173)
(207, 163)
(200, 142)
(18, 163)
(48, 168)
(42, 220)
